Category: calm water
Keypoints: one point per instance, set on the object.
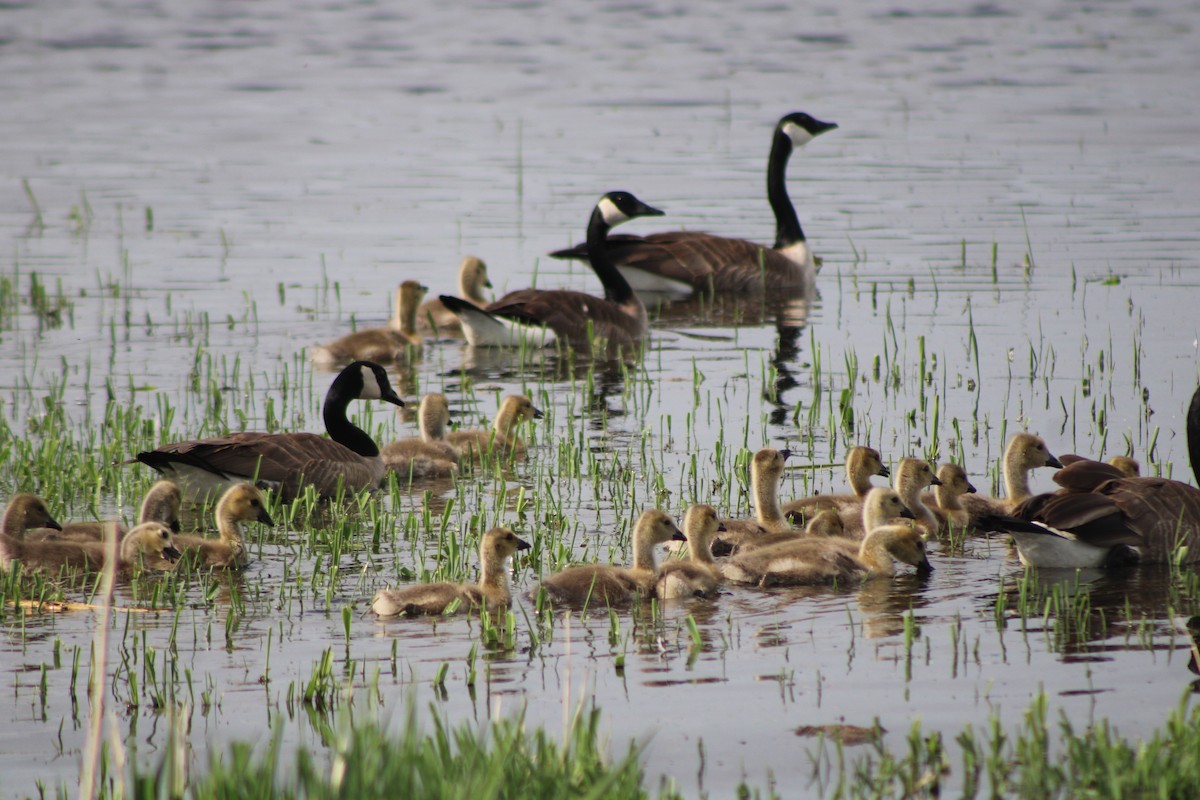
(1024, 174)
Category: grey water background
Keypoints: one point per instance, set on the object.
(283, 148)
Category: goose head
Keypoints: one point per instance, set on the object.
(907, 545)
(700, 523)
(500, 543)
(365, 380)
(954, 479)
(243, 502)
(865, 462)
(656, 527)
(825, 524)
(617, 207)
(25, 512)
(152, 541)
(473, 278)
(514, 410)
(800, 128)
(881, 505)
(915, 474)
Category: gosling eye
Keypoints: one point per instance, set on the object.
(163, 534)
(254, 503)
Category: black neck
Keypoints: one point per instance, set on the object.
(341, 429)
(616, 288)
(787, 224)
(1193, 435)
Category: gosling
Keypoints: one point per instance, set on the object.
(242, 502)
(699, 575)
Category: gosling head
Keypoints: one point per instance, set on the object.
(1030, 452)
(473, 277)
(162, 504)
(700, 522)
(769, 462)
(907, 545)
(954, 478)
(151, 540)
(411, 294)
(825, 524)
(866, 461)
(434, 415)
(915, 472)
(243, 502)
(29, 511)
(881, 505)
(1128, 466)
(657, 527)
(503, 542)
(518, 408)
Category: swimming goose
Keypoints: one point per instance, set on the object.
(862, 463)
(1102, 518)
(699, 575)
(607, 585)
(428, 455)
(161, 504)
(396, 342)
(576, 319)
(1024, 452)
(26, 512)
(945, 502)
(685, 261)
(286, 462)
(150, 544)
(496, 547)
(501, 439)
(766, 470)
(838, 560)
(434, 319)
(825, 524)
(241, 503)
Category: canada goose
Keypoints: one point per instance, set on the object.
(396, 342)
(836, 560)
(1024, 452)
(26, 512)
(496, 546)
(242, 502)
(161, 504)
(607, 585)
(150, 544)
(501, 439)
(946, 500)
(698, 576)
(577, 319)
(825, 524)
(862, 463)
(675, 261)
(1102, 518)
(766, 470)
(434, 319)
(428, 455)
(286, 462)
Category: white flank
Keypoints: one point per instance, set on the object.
(1054, 550)
(799, 254)
(644, 282)
(613, 216)
(797, 134)
(484, 330)
(198, 486)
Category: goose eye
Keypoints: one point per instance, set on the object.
(254, 503)
(163, 534)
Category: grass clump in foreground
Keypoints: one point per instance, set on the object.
(1034, 762)
(500, 760)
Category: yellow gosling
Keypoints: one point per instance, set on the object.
(862, 464)
(399, 341)
(240, 503)
(1025, 452)
(150, 545)
(161, 504)
(429, 455)
(434, 319)
(501, 439)
(945, 502)
(698, 576)
(766, 471)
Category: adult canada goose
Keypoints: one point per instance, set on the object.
(501, 439)
(685, 261)
(862, 463)
(150, 544)
(837, 560)
(286, 462)
(607, 585)
(241, 503)
(428, 455)
(26, 512)
(161, 504)
(946, 500)
(825, 524)
(396, 342)
(434, 319)
(577, 319)
(699, 575)
(913, 476)
(496, 547)
(1025, 452)
(766, 470)
(1102, 518)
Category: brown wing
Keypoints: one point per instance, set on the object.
(568, 314)
(1164, 513)
(1085, 475)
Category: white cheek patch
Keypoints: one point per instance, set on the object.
(797, 134)
(612, 215)
(370, 389)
